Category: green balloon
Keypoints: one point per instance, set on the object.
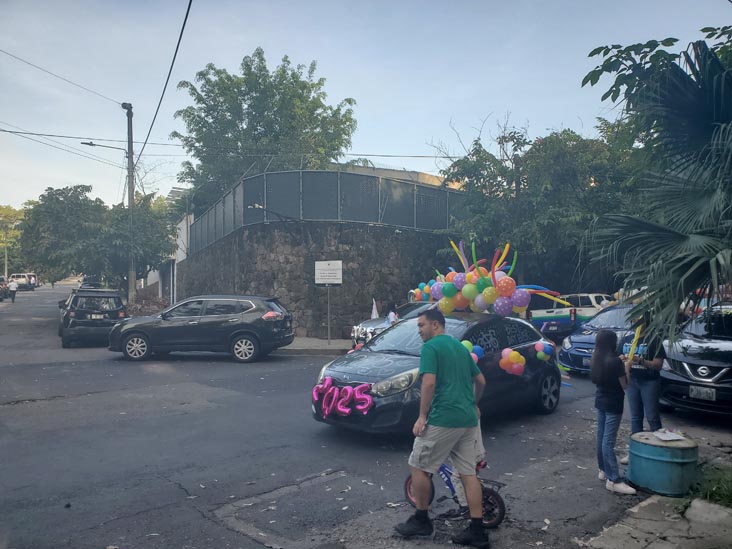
(470, 291)
(449, 289)
(482, 284)
(467, 345)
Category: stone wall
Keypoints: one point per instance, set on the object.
(278, 258)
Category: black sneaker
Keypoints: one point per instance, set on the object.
(473, 538)
(458, 513)
(414, 527)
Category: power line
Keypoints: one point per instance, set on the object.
(91, 138)
(165, 87)
(68, 151)
(59, 77)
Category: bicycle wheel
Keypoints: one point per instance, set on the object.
(494, 509)
(408, 491)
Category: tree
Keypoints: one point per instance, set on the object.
(10, 220)
(683, 103)
(256, 121)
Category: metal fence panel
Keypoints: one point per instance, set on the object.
(320, 195)
(253, 194)
(457, 203)
(219, 209)
(359, 198)
(228, 212)
(283, 194)
(431, 208)
(396, 203)
(238, 195)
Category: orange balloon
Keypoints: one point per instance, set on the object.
(418, 295)
(485, 272)
(506, 286)
(427, 290)
(450, 276)
(505, 364)
(472, 277)
(461, 302)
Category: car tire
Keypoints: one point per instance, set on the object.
(666, 408)
(136, 347)
(409, 496)
(65, 341)
(549, 389)
(245, 348)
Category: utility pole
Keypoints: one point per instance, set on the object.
(131, 273)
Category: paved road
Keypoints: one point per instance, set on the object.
(199, 452)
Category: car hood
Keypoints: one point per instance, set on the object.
(134, 321)
(585, 337)
(698, 350)
(373, 323)
(370, 367)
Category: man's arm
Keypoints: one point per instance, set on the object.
(425, 403)
(478, 387)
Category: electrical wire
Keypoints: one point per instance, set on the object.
(60, 77)
(165, 87)
(60, 136)
(70, 152)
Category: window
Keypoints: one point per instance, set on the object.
(519, 333)
(97, 303)
(610, 318)
(539, 302)
(189, 308)
(713, 324)
(489, 336)
(585, 301)
(573, 300)
(220, 307)
(404, 337)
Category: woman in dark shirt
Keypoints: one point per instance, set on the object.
(609, 374)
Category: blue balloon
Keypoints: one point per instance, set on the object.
(421, 285)
(548, 349)
(425, 296)
(432, 282)
(479, 352)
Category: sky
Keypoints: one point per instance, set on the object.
(423, 73)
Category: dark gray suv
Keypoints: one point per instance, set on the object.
(247, 327)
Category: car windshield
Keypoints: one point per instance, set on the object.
(610, 318)
(404, 338)
(712, 324)
(98, 303)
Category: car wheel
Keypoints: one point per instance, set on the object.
(548, 393)
(136, 347)
(65, 342)
(245, 348)
(409, 496)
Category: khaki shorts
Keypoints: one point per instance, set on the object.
(438, 443)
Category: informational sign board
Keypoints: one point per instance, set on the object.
(329, 273)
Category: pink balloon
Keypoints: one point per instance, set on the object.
(505, 352)
(539, 346)
(517, 369)
(329, 401)
(342, 406)
(475, 357)
(363, 400)
(322, 388)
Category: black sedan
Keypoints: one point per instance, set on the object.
(578, 347)
(379, 385)
(247, 327)
(697, 372)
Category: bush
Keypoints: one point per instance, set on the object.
(716, 485)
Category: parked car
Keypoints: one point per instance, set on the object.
(578, 347)
(4, 292)
(367, 329)
(88, 315)
(558, 320)
(248, 327)
(21, 279)
(389, 366)
(697, 371)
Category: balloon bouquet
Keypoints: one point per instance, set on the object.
(479, 289)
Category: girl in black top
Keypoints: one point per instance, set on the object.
(609, 375)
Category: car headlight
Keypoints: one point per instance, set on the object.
(321, 375)
(566, 344)
(395, 384)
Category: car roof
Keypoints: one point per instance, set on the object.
(229, 296)
(96, 292)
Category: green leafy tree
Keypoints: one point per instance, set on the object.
(10, 220)
(255, 121)
(683, 103)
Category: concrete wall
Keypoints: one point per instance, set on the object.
(278, 258)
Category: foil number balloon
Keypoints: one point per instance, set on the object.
(344, 400)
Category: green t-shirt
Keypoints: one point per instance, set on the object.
(454, 402)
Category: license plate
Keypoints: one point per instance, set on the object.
(96, 317)
(586, 362)
(551, 328)
(703, 393)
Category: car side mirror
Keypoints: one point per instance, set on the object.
(164, 316)
(61, 304)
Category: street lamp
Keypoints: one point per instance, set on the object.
(92, 144)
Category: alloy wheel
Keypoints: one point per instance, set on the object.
(136, 347)
(244, 349)
(549, 393)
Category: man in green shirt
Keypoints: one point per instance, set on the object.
(448, 418)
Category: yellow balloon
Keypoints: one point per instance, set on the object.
(519, 309)
(490, 295)
(515, 356)
(427, 290)
(522, 360)
(446, 305)
(474, 308)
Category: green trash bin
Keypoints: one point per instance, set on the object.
(668, 467)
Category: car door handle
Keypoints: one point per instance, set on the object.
(233, 320)
(193, 322)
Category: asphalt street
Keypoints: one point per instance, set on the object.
(196, 451)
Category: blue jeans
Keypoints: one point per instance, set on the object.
(643, 397)
(607, 433)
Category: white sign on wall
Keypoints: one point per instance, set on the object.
(329, 272)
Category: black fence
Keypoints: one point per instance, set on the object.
(326, 196)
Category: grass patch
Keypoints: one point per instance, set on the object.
(716, 485)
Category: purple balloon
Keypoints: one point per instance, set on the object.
(520, 298)
(459, 281)
(503, 306)
(436, 291)
(480, 302)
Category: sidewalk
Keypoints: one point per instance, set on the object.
(663, 523)
(315, 346)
